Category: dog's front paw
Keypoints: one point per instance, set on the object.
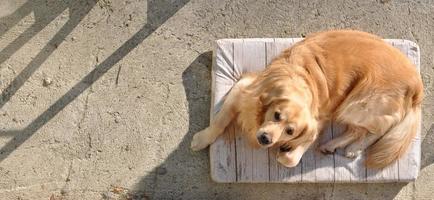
(287, 160)
(200, 140)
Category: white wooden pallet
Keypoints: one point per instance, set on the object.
(232, 160)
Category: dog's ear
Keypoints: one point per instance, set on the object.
(309, 133)
(265, 99)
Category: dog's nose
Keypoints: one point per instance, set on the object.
(264, 139)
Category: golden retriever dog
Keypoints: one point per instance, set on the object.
(350, 77)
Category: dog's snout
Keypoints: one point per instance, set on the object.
(264, 139)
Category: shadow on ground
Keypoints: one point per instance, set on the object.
(158, 12)
(183, 171)
(44, 13)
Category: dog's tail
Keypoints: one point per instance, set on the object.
(395, 142)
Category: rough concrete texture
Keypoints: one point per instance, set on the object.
(99, 99)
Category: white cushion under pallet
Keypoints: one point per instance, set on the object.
(232, 159)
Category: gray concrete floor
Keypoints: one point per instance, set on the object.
(99, 100)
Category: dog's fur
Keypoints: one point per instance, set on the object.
(350, 77)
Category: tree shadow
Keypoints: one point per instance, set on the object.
(44, 14)
(9, 21)
(158, 12)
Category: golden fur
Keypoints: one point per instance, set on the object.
(346, 76)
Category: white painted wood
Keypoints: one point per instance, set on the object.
(277, 46)
(318, 167)
(222, 152)
(244, 155)
(324, 163)
(250, 56)
(347, 170)
(388, 174)
(308, 166)
(222, 158)
(409, 165)
(234, 161)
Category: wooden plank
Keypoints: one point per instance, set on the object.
(252, 164)
(409, 164)
(308, 166)
(341, 172)
(388, 174)
(297, 40)
(244, 155)
(222, 156)
(324, 163)
(317, 167)
(278, 172)
(347, 170)
(222, 73)
(277, 46)
(222, 152)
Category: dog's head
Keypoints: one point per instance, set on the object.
(286, 104)
(287, 116)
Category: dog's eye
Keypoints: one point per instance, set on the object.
(277, 116)
(289, 130)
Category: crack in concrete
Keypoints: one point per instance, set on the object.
(413, 188)
(166, 99)
(8, 66)
(81, 121)
(69, 172)
(67, 179)
(83, 116)
(56, 183)
(332, 192)
(117, 75)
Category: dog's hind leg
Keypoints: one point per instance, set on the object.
(351, 134)
(375, 115)
(223, 118)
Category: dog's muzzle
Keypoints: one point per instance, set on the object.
(264, 139)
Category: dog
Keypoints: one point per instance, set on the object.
(350, 77)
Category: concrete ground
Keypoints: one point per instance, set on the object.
(99, 99)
